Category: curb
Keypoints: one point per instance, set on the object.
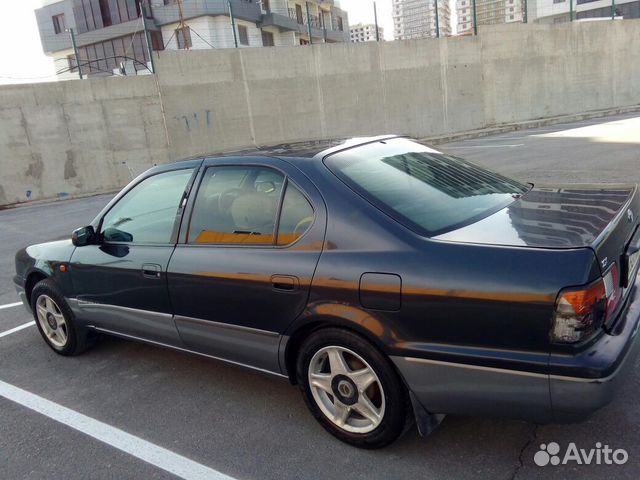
(51, 200)
(541, 122)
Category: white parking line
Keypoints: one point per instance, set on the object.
(9, 305)
(17, 329)
(134, 446)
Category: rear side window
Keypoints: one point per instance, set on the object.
(147, 213)
(427, 191)
(296, 216)
(236, 205)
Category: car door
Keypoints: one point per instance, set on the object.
(120, 282)
(241, 273)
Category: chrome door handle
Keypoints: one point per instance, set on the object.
(151, 270)
(286, 283)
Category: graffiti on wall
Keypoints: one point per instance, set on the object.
(195, 120)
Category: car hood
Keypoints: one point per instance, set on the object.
(43, 256)
(59, 250)
(554, 217)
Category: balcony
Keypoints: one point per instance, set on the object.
(296, 19)
(280, 21)
(169, 13)
(301, 18)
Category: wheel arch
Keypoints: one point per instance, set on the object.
(308, 324)
(362, 324)
(32, 279)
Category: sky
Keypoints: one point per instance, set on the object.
(361, 11)
(21, 56)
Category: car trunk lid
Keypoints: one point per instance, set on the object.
(602, 217)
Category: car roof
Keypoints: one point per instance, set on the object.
(306, 149)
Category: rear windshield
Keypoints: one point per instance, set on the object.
(427, 191)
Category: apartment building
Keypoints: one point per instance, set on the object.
(464, 10)
(365, 32)
(557, 11)
(488, 12)
(109, 33)
(417, 18)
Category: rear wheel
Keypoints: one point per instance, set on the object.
(352, 389)
(56, 321)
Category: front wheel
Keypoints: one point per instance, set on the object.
(56, 321)
(352, 389)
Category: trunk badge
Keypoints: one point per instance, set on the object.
(630, 216)
(604, 262)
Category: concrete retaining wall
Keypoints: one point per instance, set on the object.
(78, 137)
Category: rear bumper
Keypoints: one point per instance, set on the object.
(461, 389)
(604, 366)
(587, 381)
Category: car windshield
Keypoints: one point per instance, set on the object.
(427, 191)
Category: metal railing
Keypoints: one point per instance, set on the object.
(489, 12)
(301, 18)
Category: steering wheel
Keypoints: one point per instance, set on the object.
(298, 230)
(226, 198)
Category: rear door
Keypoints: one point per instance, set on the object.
(121, 283)
(242, 270)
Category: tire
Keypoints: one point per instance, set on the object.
(337, 388)
(56, 322)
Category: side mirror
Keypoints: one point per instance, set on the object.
(114, 235)
(83, 236)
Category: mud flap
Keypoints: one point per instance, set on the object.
(425, 421)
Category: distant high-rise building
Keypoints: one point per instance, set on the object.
(557, 11)
(417, 18)
(488, 12)
(464, 9)
(365, 32)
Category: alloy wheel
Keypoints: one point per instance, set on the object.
(52, 321)
(346, 389)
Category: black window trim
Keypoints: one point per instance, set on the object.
(177, 222)
(183, 240)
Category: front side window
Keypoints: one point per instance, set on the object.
(147, 213)
(427, 191)
(236, 205)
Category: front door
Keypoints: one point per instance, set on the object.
(243, 270)
(121, 283)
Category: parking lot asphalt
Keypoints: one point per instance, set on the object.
(248, 425)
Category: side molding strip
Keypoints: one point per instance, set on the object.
(244, 345)
(229, 326)
(172, 347)
(476, 367)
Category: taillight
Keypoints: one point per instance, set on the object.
(582, 311)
